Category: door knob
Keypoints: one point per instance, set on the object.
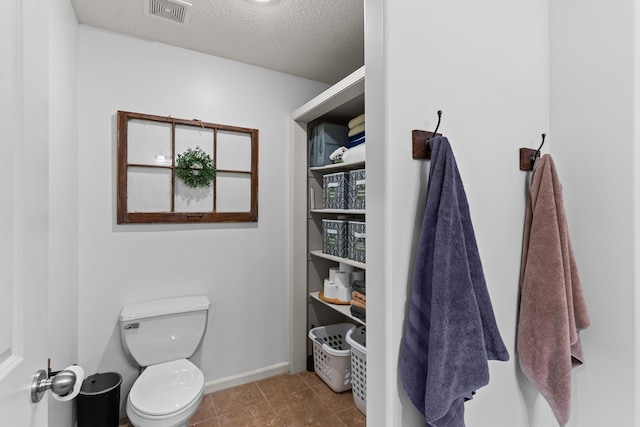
(61, 384)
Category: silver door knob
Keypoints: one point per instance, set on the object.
(61, 384)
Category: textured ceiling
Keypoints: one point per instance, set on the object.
(320, 40)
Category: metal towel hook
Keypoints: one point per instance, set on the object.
(544, 135)
(535, 156)
(438, 125)
(528, 156)
(420, 141)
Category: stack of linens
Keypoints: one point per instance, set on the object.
(356, 131)
(359, 300)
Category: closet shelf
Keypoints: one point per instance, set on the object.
(339, 211)
(347, 261)
(345, 310)
(336, 167)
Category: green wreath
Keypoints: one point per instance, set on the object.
(195, 168)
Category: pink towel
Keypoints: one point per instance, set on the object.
(552, 306)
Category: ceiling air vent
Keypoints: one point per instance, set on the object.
(178, 11)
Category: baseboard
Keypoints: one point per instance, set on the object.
(246, 377)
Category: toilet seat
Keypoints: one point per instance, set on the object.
(166, 389)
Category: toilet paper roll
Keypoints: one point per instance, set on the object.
(330, 290)
(332, 274)
(346, 267)
(344, 294)
(76, 387)
(342, 279)
(357, 275)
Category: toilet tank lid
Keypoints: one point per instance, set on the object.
(162, 307)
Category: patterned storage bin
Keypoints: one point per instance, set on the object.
(334, 237)
(357, 189)
(357, 241)
(335, 190)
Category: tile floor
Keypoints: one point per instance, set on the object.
(284, 401)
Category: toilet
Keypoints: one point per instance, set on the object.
(160, 335)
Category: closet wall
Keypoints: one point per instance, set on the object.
(503, 73)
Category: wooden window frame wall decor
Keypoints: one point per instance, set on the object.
(124, 216)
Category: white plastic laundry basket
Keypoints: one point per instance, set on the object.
(357, 338)
(332, 355)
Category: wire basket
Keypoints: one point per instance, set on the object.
(357, 340)
(332, 355)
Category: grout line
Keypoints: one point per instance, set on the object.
(304, 381)
(265, 398)
(215, 417)
(316, 393)
(213, 405)
(261, 391)
(334, 412)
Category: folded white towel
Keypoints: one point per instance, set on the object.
(356, 121)
(355, 154)
(356, 130)
(337, 154)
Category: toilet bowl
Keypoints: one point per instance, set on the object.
(166, 395)
(160, 335)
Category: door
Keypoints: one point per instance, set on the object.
(23, 210)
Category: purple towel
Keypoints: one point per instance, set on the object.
(451, 330)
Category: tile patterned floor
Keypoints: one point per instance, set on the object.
(282, 401)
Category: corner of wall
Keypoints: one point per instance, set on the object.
(62, 327)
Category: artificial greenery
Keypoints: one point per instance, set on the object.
(195, 168)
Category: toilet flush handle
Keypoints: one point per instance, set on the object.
(132, 326)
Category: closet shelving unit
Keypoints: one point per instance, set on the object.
(308, 264)
(320, 254)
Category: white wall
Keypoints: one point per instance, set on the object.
(594, 116)
(636, 181)
(242, 268)
(503, 73)
(62, 328)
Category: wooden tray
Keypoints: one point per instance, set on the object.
(331, 300)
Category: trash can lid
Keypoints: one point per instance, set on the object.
(100, 383)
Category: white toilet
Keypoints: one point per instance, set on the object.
(159, 335)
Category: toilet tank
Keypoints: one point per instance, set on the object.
(162, 330)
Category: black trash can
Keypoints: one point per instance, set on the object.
(99, 400)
